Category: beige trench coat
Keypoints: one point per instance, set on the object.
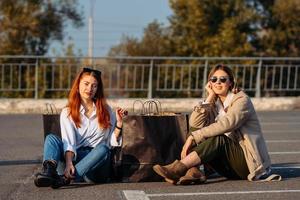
(242, 121)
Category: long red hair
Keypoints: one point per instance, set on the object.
(74, 100)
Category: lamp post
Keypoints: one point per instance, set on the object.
(91, 32)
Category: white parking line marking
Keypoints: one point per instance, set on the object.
(135, 195)
(284, 152)
(141, 195)
(279, 123)
(286, 167)
(282, 141)
(280, 131)
(218, 193)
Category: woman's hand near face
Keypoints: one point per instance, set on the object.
(210, 91)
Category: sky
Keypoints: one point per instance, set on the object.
(112, 19)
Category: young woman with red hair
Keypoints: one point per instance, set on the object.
(89, 130)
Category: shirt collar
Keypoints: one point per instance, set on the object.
(223, 107)
(82, 109)
(228, 100)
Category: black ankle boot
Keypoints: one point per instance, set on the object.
(48, 175)
(60, 181)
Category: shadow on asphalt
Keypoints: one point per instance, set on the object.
(19, 162)
(287, 170)
(77, 185)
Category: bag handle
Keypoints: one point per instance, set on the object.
(141, 102)
(271, 177)
(51, 109)
(151, 107)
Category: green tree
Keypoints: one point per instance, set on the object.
(212, 27)
(154, 42)
(128, 46)
(59, 71)
(27, 27)
(280, 28)
(221, 28)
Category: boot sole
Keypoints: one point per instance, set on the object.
(170, 181)
(43, 181)
(190, 181)
(57, 184)
(162, 174)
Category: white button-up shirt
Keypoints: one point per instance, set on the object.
(89, 134)
(222, 108)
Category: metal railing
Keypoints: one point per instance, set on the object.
(151, 77)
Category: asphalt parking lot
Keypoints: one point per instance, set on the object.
(21, 144)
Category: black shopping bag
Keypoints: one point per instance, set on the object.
(51, 122)
(150, 139)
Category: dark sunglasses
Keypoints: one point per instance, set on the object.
(97, 72)
(222, 79)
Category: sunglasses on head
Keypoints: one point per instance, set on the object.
(97, 72)
(222, 79)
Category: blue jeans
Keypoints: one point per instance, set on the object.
(91, 163)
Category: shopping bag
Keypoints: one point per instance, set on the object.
(150, 138)
(51, 122)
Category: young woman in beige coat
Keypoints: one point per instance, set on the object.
(225, 134)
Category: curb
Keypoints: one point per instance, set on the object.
(33, 106)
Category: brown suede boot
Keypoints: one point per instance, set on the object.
(192, 176)
(171, 172)
(157, 169)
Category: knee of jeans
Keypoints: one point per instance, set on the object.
(104, 148)
(51, 138)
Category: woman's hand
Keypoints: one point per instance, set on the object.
(186, 147)
(69, 171)
(120, 113)
(211, 94)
